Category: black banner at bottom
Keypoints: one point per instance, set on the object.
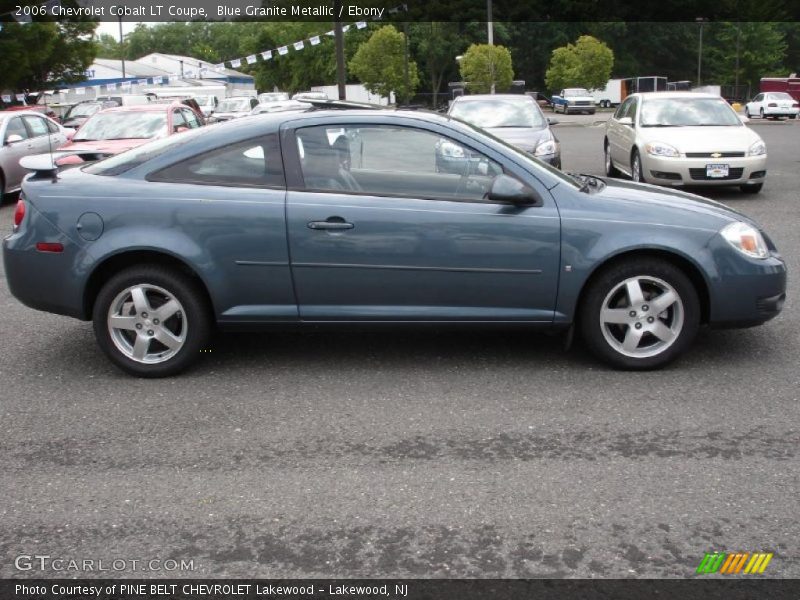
(397, 589)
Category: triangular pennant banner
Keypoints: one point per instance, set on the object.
(251, 59)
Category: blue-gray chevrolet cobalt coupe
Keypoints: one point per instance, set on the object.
(341, 217)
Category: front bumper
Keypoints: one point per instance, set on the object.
(692, 171)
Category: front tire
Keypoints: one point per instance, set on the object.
(151, 321)
(637, 174)
(611, 170)
(746, 112)
(639, 314)
(751, 189)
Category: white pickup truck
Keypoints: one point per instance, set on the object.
(574, 100)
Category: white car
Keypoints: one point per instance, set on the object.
(683, 138)
(772, 104)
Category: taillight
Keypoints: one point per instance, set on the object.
(49, 247)
(19, 213)
(795, 104)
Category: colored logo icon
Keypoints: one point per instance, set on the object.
(734, 563)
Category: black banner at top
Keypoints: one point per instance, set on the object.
(399, 589)
(400, 10)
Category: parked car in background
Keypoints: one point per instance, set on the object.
(116, 130)
(233, 108)
(234, 226)
(541, 99)
(310, 96)
(279, 106)
(79, 113)
(684, 138)
(514, 118)
(208, 104)
(772, 105)
(24, 133)
(267, 97)
(572, 100)
(126, 99)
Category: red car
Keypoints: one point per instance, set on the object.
(118, 129)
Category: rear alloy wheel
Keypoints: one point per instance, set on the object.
(151, 321)
(636, 167)
(640, 314)
(746, 112)
(761, 113)
(611, 170)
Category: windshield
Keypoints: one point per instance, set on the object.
(687, 112)
(125, 161)
(122, 126)
(499, 113)
(82, 110)
(204, 100)
(234, 105)
(575, 92)
(273, 97)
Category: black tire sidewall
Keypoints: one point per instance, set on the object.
(185, 291)
(606, 280)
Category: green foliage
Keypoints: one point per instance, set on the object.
(487, 68)
(436, 45)
(586, 64)
(762, 49)
(380, 64)
(41, 55)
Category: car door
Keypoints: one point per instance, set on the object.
(14, 150)
(379, 231)
(42, 138)
(626, 135)
(757, 104)
(616, 129)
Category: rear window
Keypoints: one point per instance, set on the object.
(126, 161)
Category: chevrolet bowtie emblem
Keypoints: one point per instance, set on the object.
(716, 155)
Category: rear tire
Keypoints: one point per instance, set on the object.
(639, 314)
(751, 189)
(151, 321)
(761, 113)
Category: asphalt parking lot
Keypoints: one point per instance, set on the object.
(411, 454)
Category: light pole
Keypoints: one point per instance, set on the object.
(338, 36)
(489, 22)
(702, 21)
(121, 47)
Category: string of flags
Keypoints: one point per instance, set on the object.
(299, 45)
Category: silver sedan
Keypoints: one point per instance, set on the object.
(25, 132)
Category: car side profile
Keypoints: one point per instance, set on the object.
(340, 216)
(772, 105)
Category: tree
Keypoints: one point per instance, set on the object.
(42, 55)
(437, 44)
(762, 53)
(487, 68)
(380, 65)
(586, 64)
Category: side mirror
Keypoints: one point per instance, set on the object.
(508, 189)
(625, 121)
(14, 138)
(551, 121)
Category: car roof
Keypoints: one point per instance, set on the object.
(8, 113)
(154, 107)
(675, 95)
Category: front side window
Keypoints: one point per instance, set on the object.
(123, 126)
(178, 120)
(622, 108)
(393, 161)
(688, 112)
(191, 119)
(252, 163)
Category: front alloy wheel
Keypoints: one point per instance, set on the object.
(151, 321)
(640, 313)
(636, 168)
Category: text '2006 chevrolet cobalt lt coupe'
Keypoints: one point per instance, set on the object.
(340, 216)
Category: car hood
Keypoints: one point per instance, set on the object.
(649, 202)
(702, 139)
(524, 138)
(105, 146)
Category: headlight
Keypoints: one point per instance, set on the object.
(659, 149)
(548, 147)
(746, 239)
(757, 149)
(451, 150)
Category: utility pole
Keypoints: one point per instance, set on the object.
(122, 46)
(407, 95)
(339, 38)
(489, 22)
(702, 21)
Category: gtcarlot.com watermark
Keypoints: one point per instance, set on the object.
(44, 562)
